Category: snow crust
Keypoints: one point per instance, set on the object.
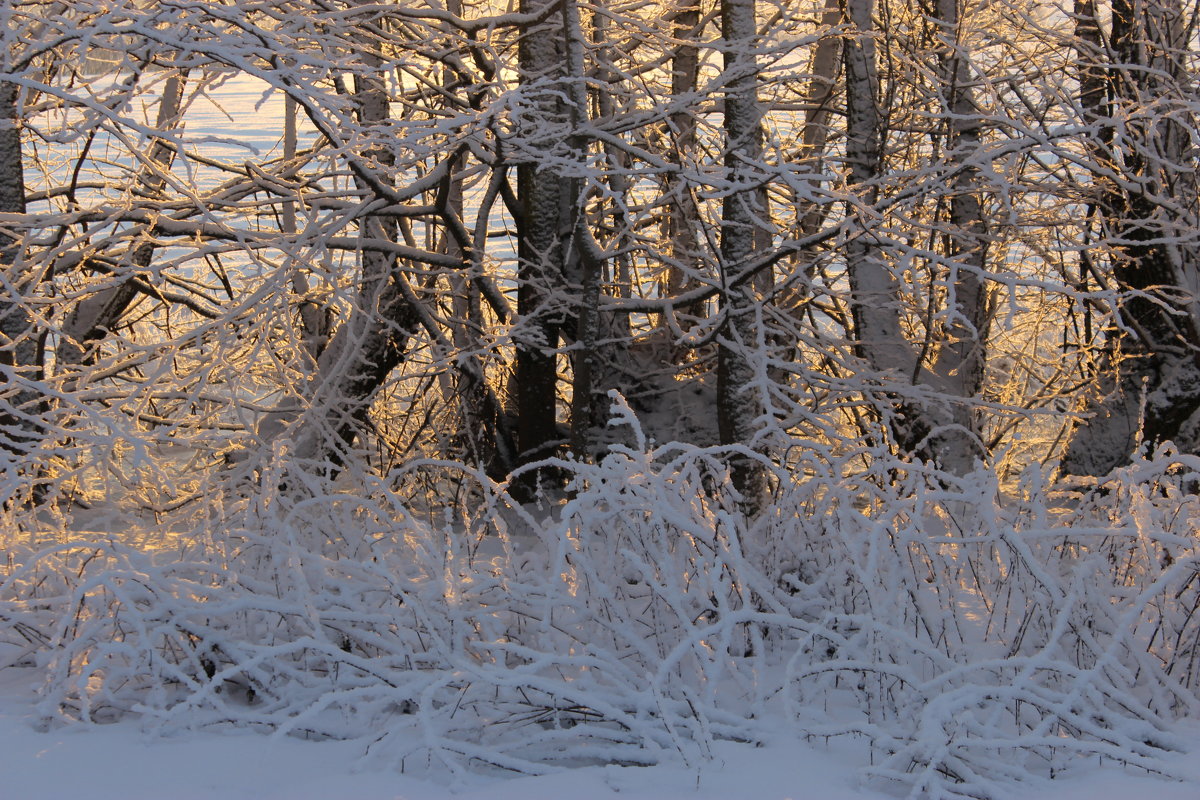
(119, 762)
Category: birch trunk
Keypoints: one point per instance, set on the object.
(879, 339)
(743, 221)
(959, 365)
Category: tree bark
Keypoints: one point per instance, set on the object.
(939, 426)
(683, 218)
(94, 317)
(1149, 389)
(484, 430)
(20, 339)
(960, 361)
(814, 136)
(547, 202)
(744, 219)
(370, 343)
(314, 323)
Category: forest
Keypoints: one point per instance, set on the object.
(566, 382)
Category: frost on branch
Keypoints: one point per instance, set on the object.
(1030, 633)
(970, 638)
(307, 314)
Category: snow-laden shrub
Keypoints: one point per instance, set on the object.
(622, 624)
(970, 636)
(1000, 637)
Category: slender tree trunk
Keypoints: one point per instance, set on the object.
(600, 354)
(879, 339)
(484, 429)
(940, 426)
(314, 323)
(94, 317)
(20, 339)
(370, 342)
(814, 136)
(683, 218)
(811, 151)
(547, 202)
(959, 365)
(744, 217)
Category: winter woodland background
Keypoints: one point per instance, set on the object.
(509, 387)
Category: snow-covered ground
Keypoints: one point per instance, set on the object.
(118, 762)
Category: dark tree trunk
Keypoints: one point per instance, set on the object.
(683, 219)
(370, 343)
(94, 317)
(20, 338)
(546, 202)
(1149, 388)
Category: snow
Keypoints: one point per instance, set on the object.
(425, 631)
(119, 762)
(444, 651)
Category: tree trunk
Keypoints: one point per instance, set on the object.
(20, 339)
(683, 218)
(484, 431)
(1149, 390)
(93, 317)
(370, 342)
(814, 135)
(939, 426)
(960, 360)
(744, 218)
(314, 323)
(879, 339)
(547, 202)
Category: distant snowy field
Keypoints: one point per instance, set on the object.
(118, 762)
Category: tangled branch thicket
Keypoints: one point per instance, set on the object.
(970, 636)
(590, 382)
